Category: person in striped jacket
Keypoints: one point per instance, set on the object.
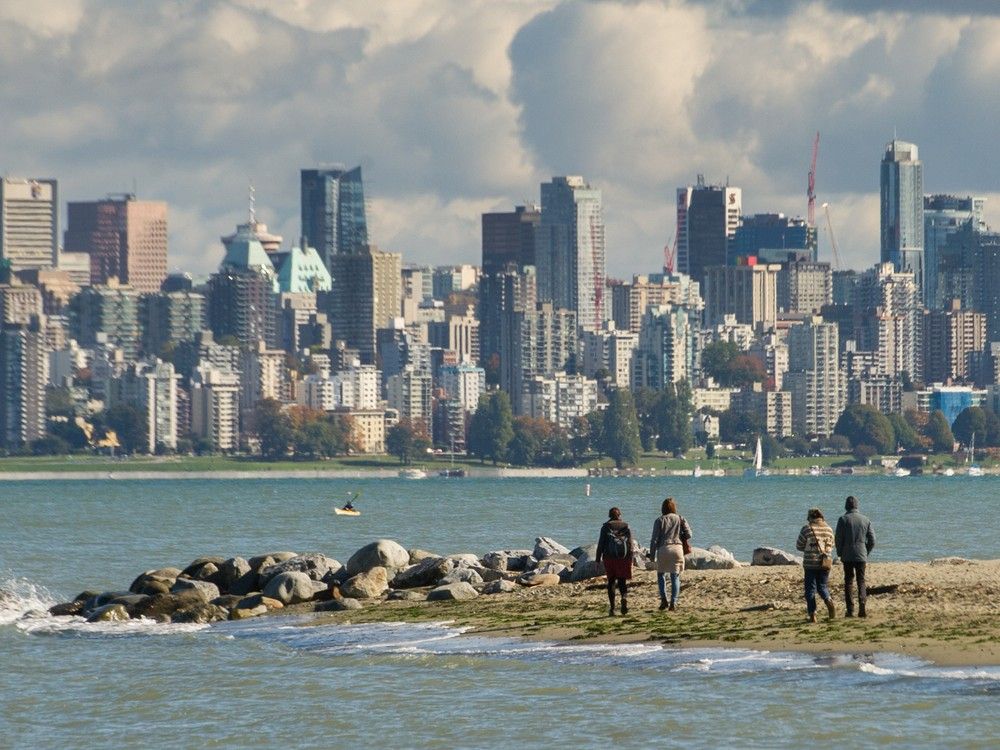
(816, 544)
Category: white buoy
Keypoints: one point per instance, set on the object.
(588, 490)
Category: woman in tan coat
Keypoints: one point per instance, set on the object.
(815, 542)
(667, 549)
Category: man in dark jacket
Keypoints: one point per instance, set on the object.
(855, 540)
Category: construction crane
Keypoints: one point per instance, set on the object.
(811, 190)
(833, 240)
(668, 258)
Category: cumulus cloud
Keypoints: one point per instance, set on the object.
(454, 107)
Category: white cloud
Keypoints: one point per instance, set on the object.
(454, 107)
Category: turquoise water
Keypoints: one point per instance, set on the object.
(269, 683)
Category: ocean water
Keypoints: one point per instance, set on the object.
(280, 682)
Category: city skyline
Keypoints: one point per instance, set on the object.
(468, 128)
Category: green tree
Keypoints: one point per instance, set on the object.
(491, 428)
(406, 440)
(274, 428)
(710, 450)
(646, 401)
(992, 428)
(477, 437)
(970, 421)
(621, 428)
(528, 442)
(673, 418)
(740, 427)
(939, 432)
(796, 445)
(864, 424)
(770, 449)
(579, 438)
(50, 445)
(863, 453)
(596, 420)
(838, 444)
(128, 425)
(715, 359)
(69, 431)
(906, 437)
(59, 403)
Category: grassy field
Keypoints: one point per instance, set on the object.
(732, 461)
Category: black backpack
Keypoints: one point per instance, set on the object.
(617, 547)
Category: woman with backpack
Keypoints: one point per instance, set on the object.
(667, 547)
(816, 544)
(614, 547)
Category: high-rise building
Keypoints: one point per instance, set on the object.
(630, 300)
(29, 222)
(707, 219)
(215, 407)
(953, 339)
(540, 341)
(125, 238)
(333, 212)
(569, 249)
(667, 351)
(748, 291)
(501, 293)
(944, 215)
(19, 302)
(170, 317)
(410, 393)
(773, 408)
(609, 350)
(365, 296)
(560, 399)
(464, 384)
(889, 320)
(804, 286)
(151, 388)
(241, 292)
(24, 367)
(111, 310)
(814, 378)
(770, 236)
(902, 193)
(457, 333)
(509, 237)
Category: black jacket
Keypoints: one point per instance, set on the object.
(618, 526)
(854, 537)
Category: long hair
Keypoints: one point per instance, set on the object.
(669, 506)
(814, 514)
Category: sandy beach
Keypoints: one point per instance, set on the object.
(945, 612)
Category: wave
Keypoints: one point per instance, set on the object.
(25, 606)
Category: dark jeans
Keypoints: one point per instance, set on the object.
(816, 580)
(622, 585)
(852, 569)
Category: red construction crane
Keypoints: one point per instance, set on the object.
(668, 258)
(811, 191)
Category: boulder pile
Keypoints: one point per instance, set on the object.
(210, 589)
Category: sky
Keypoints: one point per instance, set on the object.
(457, 107)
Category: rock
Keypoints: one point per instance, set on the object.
(67, 608)
(544, 547)
(232, 572)
(109, 613)
(488, 574)
(259, 562)
(406, 595)
(317, 566)
(419, 555)
(161, 606)
(207, 590)
(368, 585)
(425, 573)
(500, 586)
(132, 602)
(241, 613)
(774, 556)
(520, 564)
(951, 561)
(547, 567)
(465, 560)
(155, 581)
(258, 600)
(383, 553)
(337, 605)
(462, 574)
(228, 602)
(534, 578)
(290, 587)
(703, 559)
(193, 570)
(207, 572)
(722, 552)
(567, 561)
(585, 570)
(245, 584)
(202, 613)
(460, 591)
(586, 549)
(495, 561)
(99, 600)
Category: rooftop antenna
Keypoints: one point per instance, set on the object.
(253, 204)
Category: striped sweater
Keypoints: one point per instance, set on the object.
(814, 540)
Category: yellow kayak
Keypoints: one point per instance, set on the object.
(346, 512)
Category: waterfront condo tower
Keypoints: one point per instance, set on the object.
(902, 194)
(333, 212)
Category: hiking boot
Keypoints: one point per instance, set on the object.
(672, 606)
(611, 611)
(624, 608)
(861, 611)
(849, 613)
(831, 610)
(663, 603)
(812, 617)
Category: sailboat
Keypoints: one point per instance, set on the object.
(758, 469)
(975, 470)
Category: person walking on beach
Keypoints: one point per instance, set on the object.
(614, 546)
(666, 547)
(816, 543)
(855, 540)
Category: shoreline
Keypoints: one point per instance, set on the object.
(944, 614)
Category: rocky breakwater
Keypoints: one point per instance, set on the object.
(211, 589)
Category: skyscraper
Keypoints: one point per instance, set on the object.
(771, 236)
(125, 238)
(333, 211)
(944, 215)
(365, 296)
(24, 372)
(509, 237)
(29, 222)
(815, 378)
(707, 218)
(902, 192)
(569, 250)
(241, 292)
